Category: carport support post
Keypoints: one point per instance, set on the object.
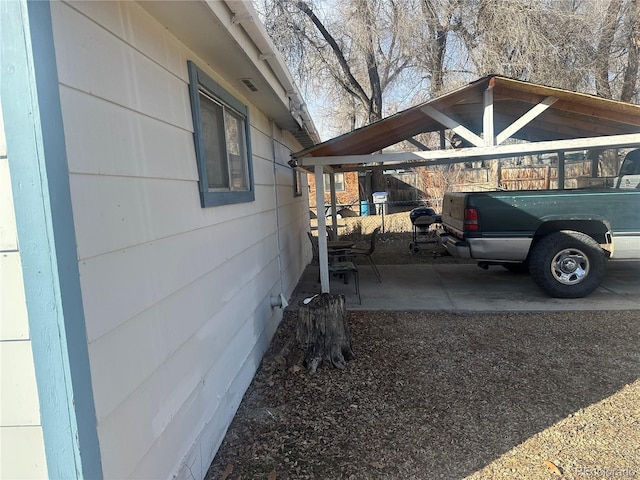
(323, 257)
(334, 213)
(487, 118)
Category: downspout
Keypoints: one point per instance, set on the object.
(280, 300)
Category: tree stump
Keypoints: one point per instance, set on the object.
(323, 332)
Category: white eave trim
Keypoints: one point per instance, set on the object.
(245, 15)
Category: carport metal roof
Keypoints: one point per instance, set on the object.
(497, 117)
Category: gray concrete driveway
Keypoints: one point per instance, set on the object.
(468, 288)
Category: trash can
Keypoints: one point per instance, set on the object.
(380, 197)
(364, 208)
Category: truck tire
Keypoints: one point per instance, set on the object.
(567, 264)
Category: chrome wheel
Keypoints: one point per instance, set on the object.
(570, 266)
(567, 264)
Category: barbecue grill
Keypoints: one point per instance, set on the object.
(422, 218)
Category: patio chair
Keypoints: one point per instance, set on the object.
(331, 233)
(334, 254)
(367, 252)
(336, 267)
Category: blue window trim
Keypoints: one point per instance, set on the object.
(198, 79)
(42, 200)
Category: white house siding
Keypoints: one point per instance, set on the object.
(176, 297)
(21, 440)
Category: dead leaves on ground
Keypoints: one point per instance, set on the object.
(227, 472)
(553, 467)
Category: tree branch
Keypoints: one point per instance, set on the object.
(609, 26)
(344, 65)
(633, 56)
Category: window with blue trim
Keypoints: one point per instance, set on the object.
(222, 142)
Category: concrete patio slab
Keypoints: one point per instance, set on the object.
(468, 288)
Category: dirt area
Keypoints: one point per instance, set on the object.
(434, 395)
(393, 246)
(439, 395)
(393, 249)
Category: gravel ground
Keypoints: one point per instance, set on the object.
(443, 395)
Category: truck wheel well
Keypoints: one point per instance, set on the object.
(594, 228)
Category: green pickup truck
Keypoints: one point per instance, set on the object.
(563, 237)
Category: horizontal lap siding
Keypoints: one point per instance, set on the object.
(293, 218)
(294, 221)
(199, 371)
(125, 151)
(135, 278)
(293, 214)
(215, 302)
(176, 297)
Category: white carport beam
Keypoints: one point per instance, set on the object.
(411, 159)
(452, 124)
(525, 119)
(323, 257)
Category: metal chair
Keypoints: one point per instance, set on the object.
(336, 268)
(367, 252)
(333, 254)
(331, 233)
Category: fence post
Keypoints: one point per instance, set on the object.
(560, 170)
(547, 177)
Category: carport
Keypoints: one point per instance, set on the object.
(491, 118)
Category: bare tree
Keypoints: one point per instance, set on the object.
(437, 180)
(605, 43)
(376, 45)
(544, 41)
(439, 25)
(369, 58)
(356, 53)
(631, 46)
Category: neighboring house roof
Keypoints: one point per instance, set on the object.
(504, 107)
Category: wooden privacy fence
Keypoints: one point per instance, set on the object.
(542, 177)
(528, 178)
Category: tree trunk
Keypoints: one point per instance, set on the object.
(633, 57)
(323, 332)
(603, 54)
